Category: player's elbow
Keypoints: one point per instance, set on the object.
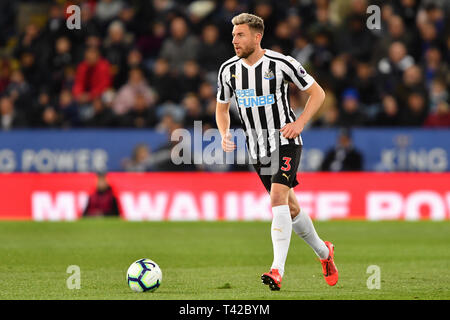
(320, 94)
(316, 92)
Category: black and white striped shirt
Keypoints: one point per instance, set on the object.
(261, 95)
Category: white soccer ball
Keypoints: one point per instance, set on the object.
(144, 275)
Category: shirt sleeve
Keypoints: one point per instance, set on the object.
(224, 92)
(294, 72)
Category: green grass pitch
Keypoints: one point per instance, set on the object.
(221, 260)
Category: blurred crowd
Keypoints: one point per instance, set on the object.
(154, 63)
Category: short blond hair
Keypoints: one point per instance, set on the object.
(254, 22)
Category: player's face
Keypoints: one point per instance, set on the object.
(244, 40)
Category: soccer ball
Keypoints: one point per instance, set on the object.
(144, 275)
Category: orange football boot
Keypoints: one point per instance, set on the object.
(273, 279)
(330, 272)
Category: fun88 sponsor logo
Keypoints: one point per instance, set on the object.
(247, 98)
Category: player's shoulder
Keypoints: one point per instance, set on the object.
(229, 62)
(280, 57)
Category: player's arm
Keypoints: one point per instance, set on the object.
(315, 100)
(223, 124)
(224, 94)
(295, 73)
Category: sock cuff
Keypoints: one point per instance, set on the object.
(283, 209)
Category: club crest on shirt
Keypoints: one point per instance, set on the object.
(269, 75)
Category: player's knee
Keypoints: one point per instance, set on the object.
(294, 209)
(278, 199)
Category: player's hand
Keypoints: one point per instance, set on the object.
(227, 144)
(292, 130)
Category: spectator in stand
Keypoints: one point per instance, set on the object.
(322, 54)
(284, 35)
(9, 117)
(190, 79)
(268, 12)
(5, 74)
(429, 37)
(438, 93)
(35, 114)
(436, 15)
(323, 22)
(127, 16)
(357, 40)
(90, 26)
(93, 77)
(366, 85)
(8, 9)
(303, 49)
(412, 81)
(150, 43)
(29, 41)
(162, 158)
(433, 66)
(212, 49)
(107, 10)
(134, 60)
(164, 83)
(60, 60)
(396, 33)
(20, 91)
(328, 119)
(351, 114)
(116, 46)
(102, 117)
(180, 46)
(446, 57)
(344, 156)
(68, 78)
(330, 102)
(440, 118)
(55, 26)
(389, 115)
(32, 71)
(126, 96)
(408, 11)
(50, 118)
(140, 160)
(193, 110)
(141, 115)
(391, 68)
(339, 79)
(225, 11)
(416, 110)
(68, 109)
(206, 93)
(209, 117)
(103, 202)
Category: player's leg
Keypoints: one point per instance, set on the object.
(303, 227)
(282, 180)
(281, 230)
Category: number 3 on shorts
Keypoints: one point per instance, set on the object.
(287, 163)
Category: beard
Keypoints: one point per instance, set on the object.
(245, 53)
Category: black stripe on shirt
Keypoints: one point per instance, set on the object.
(300, 79)
(248, 111)
(222, 91)
(262, 110)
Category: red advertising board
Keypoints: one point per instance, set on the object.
(228, 196)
